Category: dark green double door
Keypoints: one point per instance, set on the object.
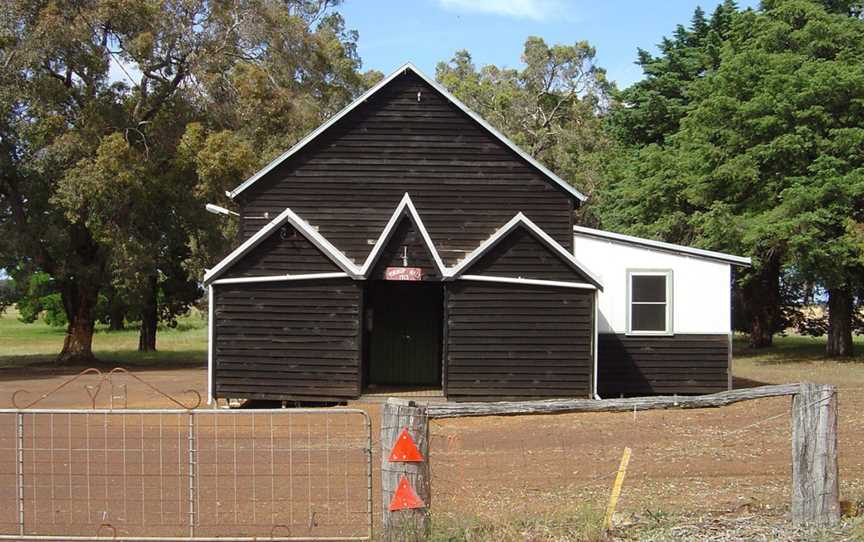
(404, 332)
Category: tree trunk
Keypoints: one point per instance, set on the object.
(149, 317)
(79, 302)
(116, 316)
(839, 323)
(761, 294)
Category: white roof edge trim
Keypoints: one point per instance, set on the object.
(671, 247)
(274, 278)
(381, 242)
(521, 219)
(368, 94)
(533, 282)
(301, 225)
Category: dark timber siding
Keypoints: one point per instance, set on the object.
(520, 254)
(464, 182)
(507, 341)
(288, 340)
(683, 364)
(285, 251)
(406, 234)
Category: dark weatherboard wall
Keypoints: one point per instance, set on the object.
(464, 182)
(520, 254)
(644, 365)
(288, 339)
(507, 341)
(406, 240)
(285, 251)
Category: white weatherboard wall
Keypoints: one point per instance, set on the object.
(701, 288)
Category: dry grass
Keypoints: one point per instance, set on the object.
(583, 523)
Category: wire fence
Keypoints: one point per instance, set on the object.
(708, 460)
(186, 474)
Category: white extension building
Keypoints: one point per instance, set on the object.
(664, 308)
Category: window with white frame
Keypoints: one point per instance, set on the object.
(649, 295)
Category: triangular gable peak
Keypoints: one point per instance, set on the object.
(404, 211)
(517, 223)
(552, 177)
(285, 217)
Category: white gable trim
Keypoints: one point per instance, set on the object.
(521, 220)
(660, 245)
(531, 282)
(375, 253)
(303, 227)
(368, 94)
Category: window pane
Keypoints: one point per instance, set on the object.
(648, 317)
(649, 288)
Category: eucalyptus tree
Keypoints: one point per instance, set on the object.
(551, 106)
(95, 97)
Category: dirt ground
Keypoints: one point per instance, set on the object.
(733, 461)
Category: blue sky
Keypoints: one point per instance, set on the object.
(425, 32)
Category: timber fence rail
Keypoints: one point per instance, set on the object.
(185, 474)
(470, 465)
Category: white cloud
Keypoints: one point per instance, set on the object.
(537, 10)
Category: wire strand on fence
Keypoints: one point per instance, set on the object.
(156, 472)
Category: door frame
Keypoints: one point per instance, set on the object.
(367, 305)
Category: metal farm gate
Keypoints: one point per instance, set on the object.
(185, 474)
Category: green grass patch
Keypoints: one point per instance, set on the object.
(796, 358)
(36, 344)
(792, 349)
(583, 523)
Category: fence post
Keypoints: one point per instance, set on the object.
(412, 524)
(815, 475)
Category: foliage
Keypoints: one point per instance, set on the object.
(103, 180)
(762, 153)
(550, 107)
(39, 298)
(651, 109)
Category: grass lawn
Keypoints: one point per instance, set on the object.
(792, 358)
(38, 343)
(797, 359)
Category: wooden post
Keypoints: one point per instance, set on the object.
(413, 524)
(815, 475)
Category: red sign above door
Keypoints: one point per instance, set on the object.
(403, 273)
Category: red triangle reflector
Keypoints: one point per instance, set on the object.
(405, 450)
(405, 498)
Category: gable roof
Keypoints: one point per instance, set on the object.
(517, 221)
(290, 217)
(405, 204)
(371, 92)
(351, 269)
(665, 247)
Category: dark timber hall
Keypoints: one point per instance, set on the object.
(406, 244)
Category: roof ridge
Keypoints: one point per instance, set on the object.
(567, 187)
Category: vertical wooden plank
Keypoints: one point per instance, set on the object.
(362, 359)
(404, 524)
(445, 336)
(815, 475)
(729, 362)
